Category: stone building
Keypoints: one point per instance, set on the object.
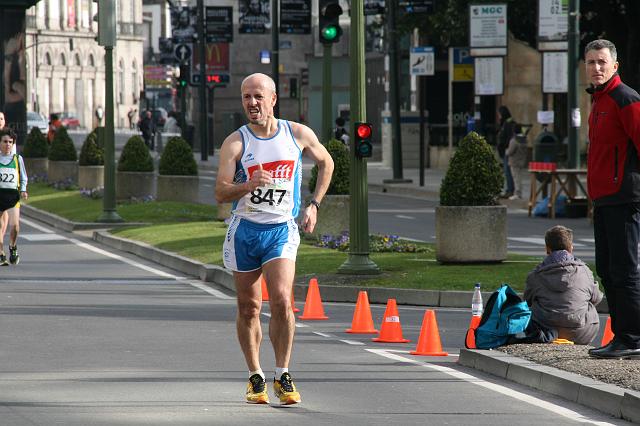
(65, 64)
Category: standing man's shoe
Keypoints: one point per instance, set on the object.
(617, 350)
(601, 348)
(285, 390)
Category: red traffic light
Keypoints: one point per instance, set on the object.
(363, 130)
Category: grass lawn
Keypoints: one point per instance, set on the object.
(190, 230)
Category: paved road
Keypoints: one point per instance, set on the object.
(100, 338)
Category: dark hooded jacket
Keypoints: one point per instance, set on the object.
(562, 295)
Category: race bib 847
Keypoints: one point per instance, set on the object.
(276, 197)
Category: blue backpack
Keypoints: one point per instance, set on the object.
(505, 315)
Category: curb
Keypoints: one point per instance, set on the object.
(609, 399)
(59, 222)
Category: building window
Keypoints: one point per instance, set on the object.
(134, 85)
(78, 62)
(62, 89)
(47, 59)
(92, 62)
(63, 60)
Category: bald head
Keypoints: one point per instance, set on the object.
(259, 79)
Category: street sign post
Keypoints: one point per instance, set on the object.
(182, 52)
(219, 24)
(422, 60)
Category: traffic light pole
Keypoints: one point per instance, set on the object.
(202, 88)
(358, 261)
(327, 88)
(109, 213)
(396, 133)
(572, 96)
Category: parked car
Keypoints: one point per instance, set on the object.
(69, 120)
(35, 119)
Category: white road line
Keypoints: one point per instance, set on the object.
(331, 336)
(207, 289)
(351, 342)
(401, 216)
(35, 225)
(124, 259)
(43, 237)
(297, 324)
(554, 408)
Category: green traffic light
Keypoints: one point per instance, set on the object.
(329, 32)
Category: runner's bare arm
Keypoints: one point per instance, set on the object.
(226, 190)
(313, 149)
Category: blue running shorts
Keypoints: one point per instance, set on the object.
(249, 245)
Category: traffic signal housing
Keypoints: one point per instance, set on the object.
(183, 78)
(362, 133)
(106, 19)
(217, 80)
(329, 25)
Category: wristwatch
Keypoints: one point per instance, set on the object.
(315, 203)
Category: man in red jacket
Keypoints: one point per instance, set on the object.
(613, 179)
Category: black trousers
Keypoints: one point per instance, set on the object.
(617, 234)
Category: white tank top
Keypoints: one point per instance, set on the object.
(279, 201)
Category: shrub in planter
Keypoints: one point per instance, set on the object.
(474, 177)
(63, 160)
(177, 159)
(135, 177)
(135, 156)
(470, 226)
(62, 148)
(333, 215)
(36, 145)
(34, 152)
(92, 152)
(178, 173)
(341, 163)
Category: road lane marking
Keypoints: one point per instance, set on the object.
(43, 237)
(124, 259)
(401, 216)
(331, 336)
(207, 289)
(35, 225)
(554, 408)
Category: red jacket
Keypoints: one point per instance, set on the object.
(613, 168)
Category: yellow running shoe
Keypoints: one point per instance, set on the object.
(286, 390)
(257, 390)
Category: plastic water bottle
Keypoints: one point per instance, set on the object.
(476, 301)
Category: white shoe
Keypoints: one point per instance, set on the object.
(515, 197)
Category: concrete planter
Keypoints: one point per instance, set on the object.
(134, 185)
(333, 216)
(61, 171)
(36, 167)
(178, 188)
(90, 177)
(467, 234)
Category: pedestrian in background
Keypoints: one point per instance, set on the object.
(562, 292)
(340, 133)
(131, 115)
(13, 186)
(259, 171)
(171, 125)
(505, 133)
(4, 216)
(613, 181)
(148, 129)
(516, 154)
(54, 125)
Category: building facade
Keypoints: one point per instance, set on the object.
(65, 64)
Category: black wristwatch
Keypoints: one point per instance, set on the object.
(315, 203)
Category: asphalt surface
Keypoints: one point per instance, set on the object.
(94, 336)
(614, 401)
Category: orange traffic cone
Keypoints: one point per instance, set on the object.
(293, 303)
(608, 334)
(313, 309)
(362, 322)
(429, 340)
(265, 293)
(391, 330)
(470, 340)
